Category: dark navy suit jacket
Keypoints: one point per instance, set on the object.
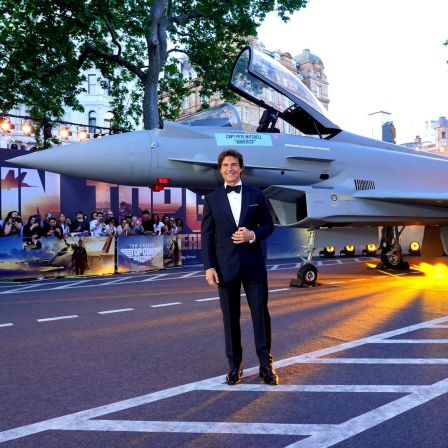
(218, 224)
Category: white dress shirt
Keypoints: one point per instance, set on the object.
(235, 202)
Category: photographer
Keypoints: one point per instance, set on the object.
(97, 226)
(13, 224)
(52, 229)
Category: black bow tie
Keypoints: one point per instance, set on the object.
(236, 188)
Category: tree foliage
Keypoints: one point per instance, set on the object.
(46, 47)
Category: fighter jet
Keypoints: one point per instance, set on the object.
(11, 181)
(325, 179)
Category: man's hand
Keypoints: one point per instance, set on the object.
(243, 235)
(212, 277)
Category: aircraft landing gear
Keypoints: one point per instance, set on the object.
(391, 252)
(307, 274)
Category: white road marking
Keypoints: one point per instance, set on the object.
(21, 289)
(112, 282)
(75, 284)
(319, 435)
(206, 300)
(116, 311)
(155, 277)
(166, 304)
(48, 319)
(6, 325)
(358, 280)
(278, 290)
(414, 341)
(190, 274)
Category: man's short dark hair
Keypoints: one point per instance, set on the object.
(145, 212)
(230, 153)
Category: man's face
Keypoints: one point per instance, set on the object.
(231, 170)
(145, 217)
(79, 216)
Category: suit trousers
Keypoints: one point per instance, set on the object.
(257, 298)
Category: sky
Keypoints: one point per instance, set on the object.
(382, 55)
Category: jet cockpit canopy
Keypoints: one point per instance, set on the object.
(255, 76)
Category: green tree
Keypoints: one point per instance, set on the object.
(47, 46)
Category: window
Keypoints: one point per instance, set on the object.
(186, 102)
(107, 86)
(319, 91)
(443, 134)
(92, 121)
(271, 96)
(91, 87)
(218, 95)
(286, 128)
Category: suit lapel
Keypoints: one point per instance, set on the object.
(244, 203)
(225, 205)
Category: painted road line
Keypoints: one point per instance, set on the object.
(190, 274)
(372, 418)
(206, 300)
(278, 290)
(74, 284)
(404, 361)
(166, 304)
(6, 325)
(322, 435)
(23, 288)
(112, 282)
(413, 341)
(358, 280)
(48, 319)
(116, 311)
(156, 277)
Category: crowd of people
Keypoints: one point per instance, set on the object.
(98, 223)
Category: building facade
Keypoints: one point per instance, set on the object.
(308, 67)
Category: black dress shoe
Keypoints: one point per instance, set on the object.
(234, 376)
(269, 375)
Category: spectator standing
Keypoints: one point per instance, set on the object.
(111, 227)
(80, 224)
(52, 229)
(179, 225)
(136, 227)
(13, 224)
(146, 222)
(123, 229)
(62, 221)
(156, 224)
(32, 227)
(166, 229)
(46, 219)
(97, 226)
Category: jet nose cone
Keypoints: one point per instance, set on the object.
(122, 159)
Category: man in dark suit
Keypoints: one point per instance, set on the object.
(235, 221)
